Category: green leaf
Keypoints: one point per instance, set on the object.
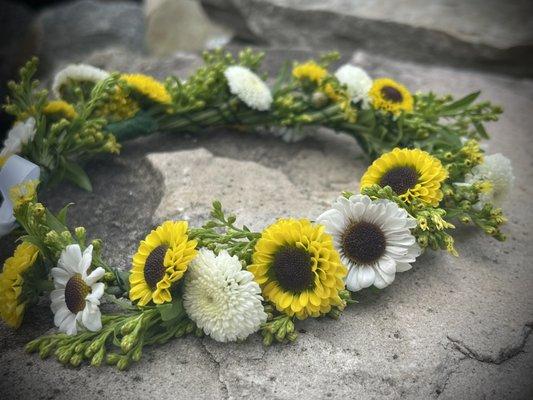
(464, 102)
(54, 223)
(481, 130)
(62, 214)
(170, 311)
(76, 174)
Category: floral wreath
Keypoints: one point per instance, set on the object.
(222, 279)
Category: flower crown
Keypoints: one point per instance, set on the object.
(223, 279)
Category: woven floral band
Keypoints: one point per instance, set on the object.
(427, 173)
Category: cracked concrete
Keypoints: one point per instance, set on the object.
(451, 328)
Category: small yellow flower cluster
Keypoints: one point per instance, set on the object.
(118, 107)
(148, 87)
(473, 152)
(12, 305)
(23, 193)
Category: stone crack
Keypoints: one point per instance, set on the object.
(223, 384)
(503, 355)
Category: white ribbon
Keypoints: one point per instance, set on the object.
(15, 171)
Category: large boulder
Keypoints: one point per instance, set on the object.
(71, 31)
(491, 34)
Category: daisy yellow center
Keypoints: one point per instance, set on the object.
(292, 267)
(363, 242)
(75, 292)
(392, 94)
(400, 179)
(154, 268)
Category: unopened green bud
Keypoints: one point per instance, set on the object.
(190, 327)
(319, 99)
(199, 332)
(280, 334)
(64, 356)
(80, 347)
(490, 230)
(66, 236)
(97, 359)
(465, 219)
(137, 354)
(112, 358)
(128, 342)
(292, 336)
(32, 346)
(97, 245)
(76, 360)
(335, 313)
(80, 233)
(128, 327)
(289, 326)
(267, 338)
(45, 350)
(123, 363)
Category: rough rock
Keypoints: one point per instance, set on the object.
(72, 31)
(483, 33)
(450, 328)
(180, 26)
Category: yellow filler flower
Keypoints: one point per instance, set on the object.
(389, 95)
(12, 305)
(311, 71)
(147, 87)
(298, 268)
(161, 260)
(409, 173)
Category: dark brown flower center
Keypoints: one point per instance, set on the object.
(292, 267)
(75, 292)
(154, 267)
(400, 179)
(392, 94)
(363, 242)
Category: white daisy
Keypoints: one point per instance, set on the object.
(222, 298)
(77, 72)
(248, 87)
(498, 170)
(357, 82)
(76, 297)
(373, 239)
(20, 134)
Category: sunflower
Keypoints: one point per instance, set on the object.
(391, 96)
(310, 71)
(61, 109)
(147, 87)
(409, 173)
(161, 259)
(12, 304)
(298, 268)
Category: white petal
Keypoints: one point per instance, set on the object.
(95, 276)
(97, 291)
(60, 315)
(70, 259)
(402, 267)
(352, 282)
(69, 325)
(387, 265)
(60, 276)
(366, 276)
(86, 258)
(92, 318)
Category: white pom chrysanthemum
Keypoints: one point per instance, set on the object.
(22, 133)
(222, 298)
(248, 87)
(498, 170)
(357, 82)
(373, 238)
(77, 72)
(76, 297)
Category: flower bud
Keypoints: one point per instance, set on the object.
(80, 233)
(267, 339)
(128, 342)
(76, 360)
(292, 336)
(123, 363)
(319, 99)
(112, 358)
(97, 359)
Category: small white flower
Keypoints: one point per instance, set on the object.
(222, 298)
(77, 72)
(248, 87)
(373, 238)
(76, 297)
(357, 81)
(498, 170)
(22, 133)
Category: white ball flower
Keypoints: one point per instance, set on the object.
(373, 238)
(498, 170)
(357, 82)
(76, 297)
(20, 134)
(248, 87)
(222, 298)
(77, 72)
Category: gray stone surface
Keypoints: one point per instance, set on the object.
(71, 31)
(451, 328)
(489, 33)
